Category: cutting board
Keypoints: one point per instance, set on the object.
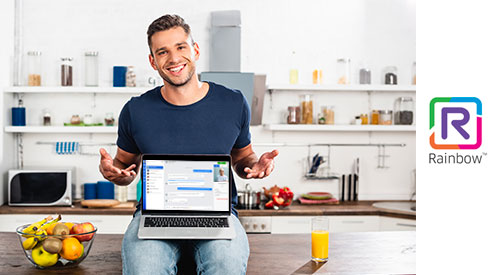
(99, 203)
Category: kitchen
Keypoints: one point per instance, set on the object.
(372, 34)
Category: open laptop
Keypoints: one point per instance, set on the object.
(186, 197)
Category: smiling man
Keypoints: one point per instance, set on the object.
(184, 116)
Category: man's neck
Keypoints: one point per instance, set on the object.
(187, 94)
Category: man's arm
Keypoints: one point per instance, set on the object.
(122, 169)
(247, 165)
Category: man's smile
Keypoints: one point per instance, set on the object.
(176, 70)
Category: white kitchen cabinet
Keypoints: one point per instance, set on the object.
(302, 224)
(397, 224)
(106, 224)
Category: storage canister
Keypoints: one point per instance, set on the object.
(344, 71)
(66, 71)
(404, 111)
(91, 69)
(385, 117)
(34, 68)
(307, 109)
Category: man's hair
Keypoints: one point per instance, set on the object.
(167, 22)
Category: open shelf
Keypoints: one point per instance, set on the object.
(341, 128)
(337, 87)
(61, 129)
(76, 90)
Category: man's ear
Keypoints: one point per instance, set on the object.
(152, 62)
(196, 51)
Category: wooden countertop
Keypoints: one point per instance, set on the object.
(350, 253)
(296, 209)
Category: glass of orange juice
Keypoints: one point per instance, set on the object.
(319, 239)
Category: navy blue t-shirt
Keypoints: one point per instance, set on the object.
(148, 124)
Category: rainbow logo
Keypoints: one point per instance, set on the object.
(460, 123)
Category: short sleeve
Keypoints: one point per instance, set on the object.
(244, 138)
(125, 139)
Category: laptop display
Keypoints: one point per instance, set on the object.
(180, 184)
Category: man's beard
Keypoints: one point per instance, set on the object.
(175, 84)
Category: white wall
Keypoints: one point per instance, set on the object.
(378, 32)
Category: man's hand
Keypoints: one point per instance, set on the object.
(113, 173)
(263, 167)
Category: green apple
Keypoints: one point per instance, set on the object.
(43, 258)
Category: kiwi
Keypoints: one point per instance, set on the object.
(52, 245)
(61, 229)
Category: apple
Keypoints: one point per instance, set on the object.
(43, 258)
(80, 228)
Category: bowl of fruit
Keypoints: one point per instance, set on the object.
(279, 198)
(51, 243)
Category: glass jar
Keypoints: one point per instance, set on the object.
(385, 117)
(328, 114)
(75, 120)
(88, 119)
(364, 119)
(109, 120)
(404, 111)
(34, 68)
(307, 109)
(375, 115)
(294, 116)
(317, 77)
(121, 193)
(357, 120)
(91, 69)
(130, 77)
(344, 71)
(66, 71)
(414, 73)
(390, 75)
(47, 117)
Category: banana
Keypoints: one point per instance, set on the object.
(47, 224)
(29, 243)
(40, 234)
(35, 226)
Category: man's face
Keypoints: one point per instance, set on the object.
(173, 56)
(221, 172)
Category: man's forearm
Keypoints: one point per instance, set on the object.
(247, 161)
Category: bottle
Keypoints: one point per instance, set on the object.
(294, 73)
(66, 71)
(19, 114)
(91, 69)
(364, 119)
(34, 68)
(130, 77)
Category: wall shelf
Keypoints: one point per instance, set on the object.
(61, 129)
(340, 128)
(76, 90)
(336, 87)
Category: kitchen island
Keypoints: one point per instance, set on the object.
(350, 253)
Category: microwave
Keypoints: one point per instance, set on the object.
(40, 187)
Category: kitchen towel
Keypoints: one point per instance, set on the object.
(66, 148)
(105, 190)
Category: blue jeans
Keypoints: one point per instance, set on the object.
(161, 256)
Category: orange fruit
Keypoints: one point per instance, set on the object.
(49, 229)
(69, 225)
(72, 249)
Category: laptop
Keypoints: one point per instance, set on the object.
(186, 197)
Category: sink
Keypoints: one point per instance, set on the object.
(406, 206)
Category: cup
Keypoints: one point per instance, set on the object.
(90, 191)
(105, 190)
(319, 239)
(119, 73)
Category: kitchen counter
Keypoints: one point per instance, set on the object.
(296, 209)
(355, 253)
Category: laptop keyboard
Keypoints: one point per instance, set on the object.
(184, 222)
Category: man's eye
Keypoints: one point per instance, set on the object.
(181, 47)
(162, 52)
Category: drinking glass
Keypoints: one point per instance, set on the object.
(319, 239)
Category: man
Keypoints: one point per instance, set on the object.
(222, 176)
(184, 116)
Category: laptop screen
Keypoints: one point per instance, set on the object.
(190, 185)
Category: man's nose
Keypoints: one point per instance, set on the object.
(175, 57)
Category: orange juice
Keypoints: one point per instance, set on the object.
(319, 245)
